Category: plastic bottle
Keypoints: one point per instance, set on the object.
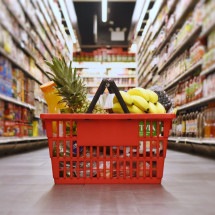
(207, 129)
(183, 128)
(51, 97)
(194, 133)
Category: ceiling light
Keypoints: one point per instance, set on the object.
(95, 28)
(104, 10)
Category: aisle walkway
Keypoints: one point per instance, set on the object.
(26, 187)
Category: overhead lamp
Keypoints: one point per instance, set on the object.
(104, 10)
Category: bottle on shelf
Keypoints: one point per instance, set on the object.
(183, 125)
(194, 130)
(187, 124)
(200, 124)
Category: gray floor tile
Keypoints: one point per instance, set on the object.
(27, 187)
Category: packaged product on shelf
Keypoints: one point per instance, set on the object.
(197, 52)
(15, 75)
(2, 106)
(209, 122)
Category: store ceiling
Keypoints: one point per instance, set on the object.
(113, 33)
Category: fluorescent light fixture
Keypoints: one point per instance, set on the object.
(95, 28)
(104, 10)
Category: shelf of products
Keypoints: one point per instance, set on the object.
(26, 40)
(18, 65)
(123, 73)
(179, 17)
(182, 50)
(183, 75)
(175, 53)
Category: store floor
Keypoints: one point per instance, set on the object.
(26, 187)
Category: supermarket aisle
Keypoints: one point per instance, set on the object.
(26, 187)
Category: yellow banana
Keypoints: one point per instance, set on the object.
(160, 108)
(139, 91)
(152, 108)
(126, 97)
(153, 97)
(117, 108)
(134, 109)
(140, 102)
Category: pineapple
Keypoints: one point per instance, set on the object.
(70, 87)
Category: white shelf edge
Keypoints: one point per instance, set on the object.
(192, 68)
(12, 100)
(95, 64)
(20, 139)
(193, 140)
(209, 70)
(196, 102)
(208, 30)
(107, 76)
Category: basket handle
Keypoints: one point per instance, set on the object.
(112, 88)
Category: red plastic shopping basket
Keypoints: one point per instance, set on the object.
(107, 148)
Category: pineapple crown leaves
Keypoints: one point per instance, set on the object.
(69, 85)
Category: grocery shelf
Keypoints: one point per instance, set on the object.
(15, 101)
(17, 64)
(112, 65)
(108, 76)
(171, 8)
(208, 71)
(23, 27)
(40, 99)
(33, 24)
(206, 32)
(193, 140)
(22, 47)
(196, 103)
(145, 80)
(190, 38)
(143, 69)
(184, 74)
(17, 41)
(176, 25)
(51, 5)
(47, 35)
(39, 3)
(118, 85)
(20, 139)
(151, 71)
(160, 6)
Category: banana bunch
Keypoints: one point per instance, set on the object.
(139, 100)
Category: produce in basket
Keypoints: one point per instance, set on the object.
(139, 100)
(70, 87)
(163, 98)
